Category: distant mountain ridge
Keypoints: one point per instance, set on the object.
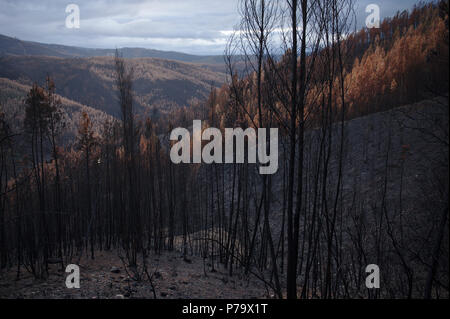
(14, 46)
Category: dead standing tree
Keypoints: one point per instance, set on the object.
(259, 19)
(132, 242)
(86, 143)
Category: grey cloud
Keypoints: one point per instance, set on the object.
(192, 26)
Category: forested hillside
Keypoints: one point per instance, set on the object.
(159, 85)
(404, 61)
(13, 95)
(362, 174)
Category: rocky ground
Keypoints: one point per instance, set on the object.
(106, 278)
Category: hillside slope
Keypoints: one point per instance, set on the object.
(13, 94)
(158, 84)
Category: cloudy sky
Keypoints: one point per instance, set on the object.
(191, 26)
